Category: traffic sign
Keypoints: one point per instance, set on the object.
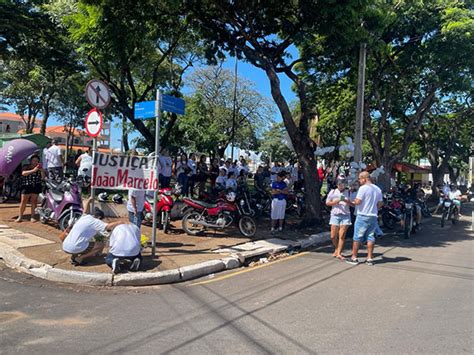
(172, 104)
(97, 94)
(94, 122)
(145, 109)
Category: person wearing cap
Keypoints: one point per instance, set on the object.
(279, 194)
(338, 200)
(77, 239)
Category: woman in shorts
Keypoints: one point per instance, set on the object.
(340, 221)
(32, 177)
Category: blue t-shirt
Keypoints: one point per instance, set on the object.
(279, 185)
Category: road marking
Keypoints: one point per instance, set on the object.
(223, 277)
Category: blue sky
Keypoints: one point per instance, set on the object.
(245, 70)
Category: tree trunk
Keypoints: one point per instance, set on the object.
(45, 118)
(126, 146)
(303, 148)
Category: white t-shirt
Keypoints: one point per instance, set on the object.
(54, 152)
(370, 195)
(81, 234)
(140, 199)
(342, 208)
(165, 166)
(44, 160)
(233, 169)
(125, 240)
(86, 163)
(454, 195)
(273, 173)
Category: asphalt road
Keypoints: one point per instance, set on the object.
(418, 298)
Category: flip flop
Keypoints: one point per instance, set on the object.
(341, 258)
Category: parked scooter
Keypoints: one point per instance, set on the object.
(163, 208)
(391, 213)
(218, 215)
(61, 203)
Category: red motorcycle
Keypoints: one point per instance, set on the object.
(163, 208)
(217, 215)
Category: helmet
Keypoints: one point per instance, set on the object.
(117, 198)
(230, 196)
(103, 196)
(178, 189)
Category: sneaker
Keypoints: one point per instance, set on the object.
(369, 262)
(352, 261)
(116, 266)
(135, 265)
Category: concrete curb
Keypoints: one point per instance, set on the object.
(16, 260)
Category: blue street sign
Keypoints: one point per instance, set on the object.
(172, 104)
(144, 110)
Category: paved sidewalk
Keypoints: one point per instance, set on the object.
(213, 252)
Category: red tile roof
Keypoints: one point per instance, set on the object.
(10, 116)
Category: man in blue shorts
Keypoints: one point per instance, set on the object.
(368, 201)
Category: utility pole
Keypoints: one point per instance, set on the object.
(234, 107)
(359, 127)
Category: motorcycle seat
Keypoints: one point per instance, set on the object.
(205, 204)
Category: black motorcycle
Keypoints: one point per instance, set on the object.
(450, 212)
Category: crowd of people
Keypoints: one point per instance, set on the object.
(354, 204)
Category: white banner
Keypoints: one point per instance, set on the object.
(123, 172)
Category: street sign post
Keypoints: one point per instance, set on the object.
(152, 109)
(93, 125)
(97, 94)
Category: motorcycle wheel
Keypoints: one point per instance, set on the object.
(165, 221)
(454, 216)
(443, 217)
(388, 222)
(188, 227)
(64, 221)
(408, 225)
(247, 226)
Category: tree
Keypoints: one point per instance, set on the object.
(274, 144)
(35, 60)
(134, 49)
(446, 137)
(208, 125)
(263, 33)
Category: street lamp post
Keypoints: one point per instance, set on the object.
(234, 107)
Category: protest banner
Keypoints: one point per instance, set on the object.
(123, 172)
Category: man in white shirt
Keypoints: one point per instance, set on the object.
(135, 205)
(44, 157)
(55, 162)
(77, 240)
(124, 246)
(166, 164)
(368, 201)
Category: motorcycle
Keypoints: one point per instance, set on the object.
(61, 203)
(450, 211)
(300, 208)
(217, 215)
(163, 209)
(391, 213)
(409, 218)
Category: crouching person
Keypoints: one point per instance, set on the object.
(124, 248)
(77, 239)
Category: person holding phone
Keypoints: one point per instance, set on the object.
(31, 183)
(338, 200)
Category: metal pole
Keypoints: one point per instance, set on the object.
(234, 107)
(157, 150)
(94, 148)
(359, 127)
